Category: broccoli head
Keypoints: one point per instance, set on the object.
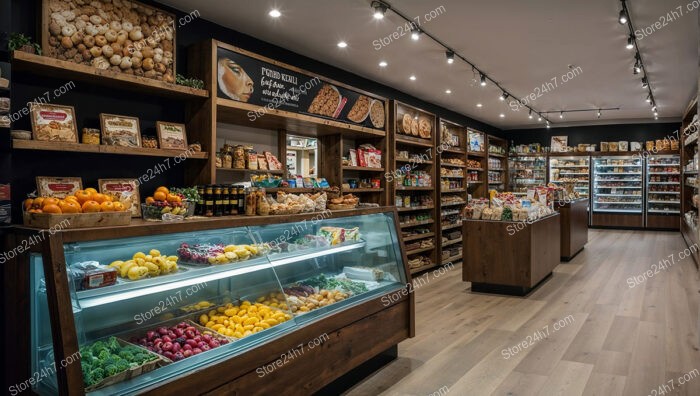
(97, 346)
(122, 365)
(97, 375)
(111, 370)
(126, 354)
(103, 355)
(113, 345)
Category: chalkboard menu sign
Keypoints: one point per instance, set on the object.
(271, 87)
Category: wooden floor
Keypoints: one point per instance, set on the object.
(618, 341)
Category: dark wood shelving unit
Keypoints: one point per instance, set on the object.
(688, 147)
(427, 161)
(453, 144)
(502, 169)
(477, 152)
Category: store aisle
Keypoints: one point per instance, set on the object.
(608, 334)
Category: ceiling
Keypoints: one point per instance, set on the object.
(520, 44)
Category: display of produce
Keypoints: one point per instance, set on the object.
(240, 321)
(109, 361)
(82, 201)
(217, 254)
(664, 184)
(617, 184)
(164, 202)
(179, 341)
(525, 172)
(142, 265)
(571, 173)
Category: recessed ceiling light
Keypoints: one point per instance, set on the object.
(448, 91)
(502, 115)
(275, 13)
(479, 105)
(342, 44)
(383, 64)
(412, 78)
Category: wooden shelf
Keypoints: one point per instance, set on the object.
(453, 204)
(421, 250)
(362, 190)
(294, 190)
(362, 169)
(272, 172)
(423, 268)
(497, 155)
(238, 113)
(479, 154)
(414, 141)
(416, 223)
(449, 227)
(50, 67)
(452, 191)
(451, 259)
(402, 188)
(476, 169)
(452, 242)
(454, 151)
(419, 236)
(414, 161)
(414, 208)
(453, 165)
(19, 144)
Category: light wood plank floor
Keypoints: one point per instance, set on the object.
(617, 340)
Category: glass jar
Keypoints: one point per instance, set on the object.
(239, 157)
(91, 136)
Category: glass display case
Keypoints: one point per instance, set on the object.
(617, 185)
(663, 184)
(571, 170)
(526, 172)
(151, 308)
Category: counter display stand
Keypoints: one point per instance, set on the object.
(510, 257)
(59, 314)
(574, 226)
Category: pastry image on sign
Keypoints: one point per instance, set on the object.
(171, 136)
(326, 102)
(360, 110)
(376, 114)
(120, 130)
(424, 128)
(57, 187)
(125, 191)
(234, 82)
(407, 120)
(53, 123)
(414, 127)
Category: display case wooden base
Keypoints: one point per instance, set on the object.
(617, 220)
(670, 222)
(574, 227)
(510, 257)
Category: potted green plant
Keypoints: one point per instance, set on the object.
(20, 42)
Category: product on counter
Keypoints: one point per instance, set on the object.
(82, 201)
(364, 273)
(164, 202)
(180, 341)
(301, 301)
(335, 283)
(92, 275)
(248, 318)
(217, 254)
(103, 362)
(143, 265)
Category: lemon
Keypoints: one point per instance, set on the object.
(139, 255)
(154, 253)
(116, 264)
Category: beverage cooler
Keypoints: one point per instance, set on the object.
(617, 199)
(663, 192)
(571, 170)
(526, 172)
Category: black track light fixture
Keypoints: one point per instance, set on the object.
(630, 42)
(450, 56)
(503, 96)
(379, 9)
(645, 82)
(482, 79)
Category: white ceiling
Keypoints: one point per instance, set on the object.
(520, 44)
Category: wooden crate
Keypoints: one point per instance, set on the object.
(77, 220)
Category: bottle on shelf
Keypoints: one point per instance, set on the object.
(218, 202)
(209, 201)
(200, 208)
(233, 200)
(225, 201)
(241, 200)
